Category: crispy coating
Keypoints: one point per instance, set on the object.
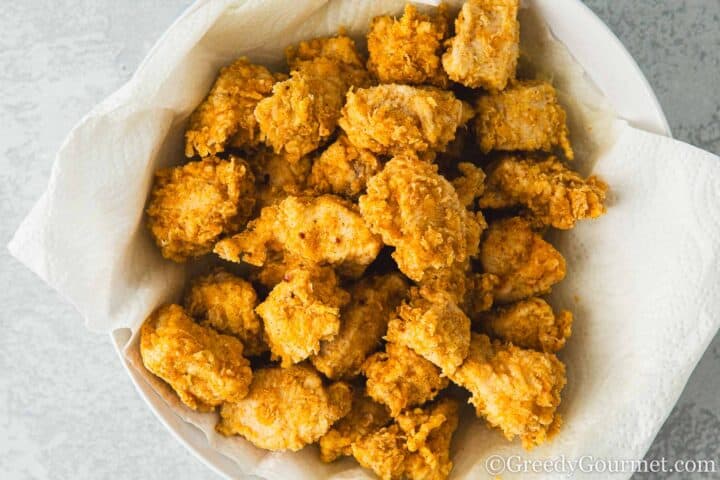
(480, 293)
(324, 230)
(286, 408)
(340, 49)
(227, 303)
(301, 311)
(276, 178)
(343, 169)
(407, 50)
(400, 378)
(515, 390)
(392, 119)
(470, 184)
(526, 264)
(363, 323)
(204, 367)
(524, 116)
(417, 211)
(485, 48)
(433, 326)
(226, 114)
(554, 194)
(529, 323)
(192, 205)
(416, 447)
(366, 416)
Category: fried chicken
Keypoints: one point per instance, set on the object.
(286, 408)
(480, 293)
(470, 184)
(340, 49)
(400, 378)
(529, 323)
(417, 211)
(366, 416)
(324, 230)
(343, 169)
(524, 116)
(515, 390)
(204, 367)
(192, 205)
(554, 194)
(226, 114)
(485, 48)
(276, 178)
(363, 323)
(227, 304)
(526, 264)
(301, 311)
(434, 327)
(407, 50)
(394, 453)
(393, 119)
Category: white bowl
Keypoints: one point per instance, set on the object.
(611, 68)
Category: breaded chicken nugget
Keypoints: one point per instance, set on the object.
(324, 230)
(480, 293)
(470, 184)
(226, 114)
(515, 390)
(340, 49)
(524, 116)
(434, 327)
(554, 194)
(191, 206)
(526, 264)
(343, 169)
(366, 416)
(383, 452)
(204, 367)
(417, 211)
(407, 50)
(301, 311)
(485, 48)
(393, 119)
(400, 378)
(529, 323)
(286, 408)
(363, 323)
(276, 178)
(227, 304)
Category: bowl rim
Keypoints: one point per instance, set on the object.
(613, 70)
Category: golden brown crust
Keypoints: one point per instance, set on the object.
(470, 184)
(286, 408)
(515, 390)
(276, 178)
(204, 367)
(191, 206)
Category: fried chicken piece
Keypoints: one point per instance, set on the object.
(529, 323)
(192, 205)
(480, 293)
(400, 378)
(416, 447)
(433, 325)
(227, 303)
(417, 211)
(393, 119)
(515, 390)
(470, 184)
(276, 178)
(366, 416)
(301, 311)
(526, 264)
(286, 408)
(324, 230)
(227, 112)
(407, 50)
(340, 49)
(363, 322)
(485, 48)
(343, 169)
(554, 194)
(204, 367)
(524, 116)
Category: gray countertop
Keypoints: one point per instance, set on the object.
(67, 409)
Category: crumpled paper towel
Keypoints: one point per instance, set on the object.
(642, 280)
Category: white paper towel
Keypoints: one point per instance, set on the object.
(642, 280)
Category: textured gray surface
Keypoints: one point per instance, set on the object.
(67, 409)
